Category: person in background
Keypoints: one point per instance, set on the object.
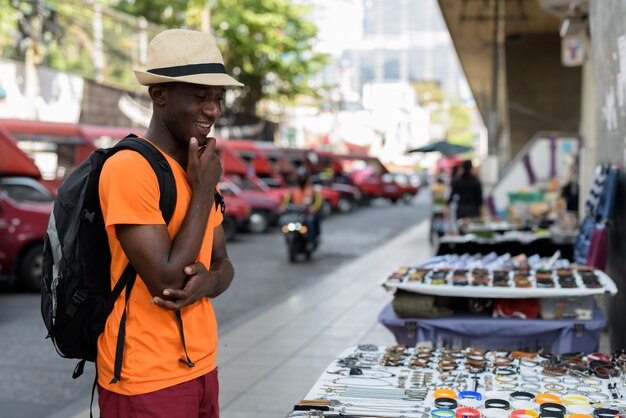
(569, 195)
(302, 192)
(467, 193)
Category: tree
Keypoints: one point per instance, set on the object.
(266, 44)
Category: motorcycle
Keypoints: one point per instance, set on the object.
(296, 232)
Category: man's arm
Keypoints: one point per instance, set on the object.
(160, 260)
(202, 282)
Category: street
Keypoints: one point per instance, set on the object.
(36, 382)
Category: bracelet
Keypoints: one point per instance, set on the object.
(446, 403)
(504, 371)
(587, 389)
(444, 393)
(592, 381)
(523, 354)
(553, 371)
(547, 398)
(573, 399)
(470, 403)
(552, 407)
(606, 413)
(569, 356)
(527, 362)
(571, 380)
(554, 387)
(467, 413)
(524, 413)
(442, 413)
(531, 378)
(507, 386)
(522, 396)
(605, 372)
(531, 386)
(549, 379)
(598, 396)
(497, 403)
(598, 356)
(470, 394)
(505, 378)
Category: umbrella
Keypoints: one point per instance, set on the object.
(444, 147)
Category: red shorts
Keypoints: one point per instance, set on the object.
(196, 398)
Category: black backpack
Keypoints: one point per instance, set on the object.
(76, 295)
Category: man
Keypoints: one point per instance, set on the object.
(168, 367)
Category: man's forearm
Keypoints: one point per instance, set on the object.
(188, 241)
(225, 272)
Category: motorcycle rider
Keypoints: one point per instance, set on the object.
(302, 192)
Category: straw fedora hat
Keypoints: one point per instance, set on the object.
(186, 56)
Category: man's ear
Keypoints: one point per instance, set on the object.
(158, 94)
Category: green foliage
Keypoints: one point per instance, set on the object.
(8, 29)
(428, 92)
(268, 45)
(170, 13)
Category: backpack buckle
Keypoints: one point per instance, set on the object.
(79, 296)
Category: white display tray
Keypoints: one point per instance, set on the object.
(470, 291)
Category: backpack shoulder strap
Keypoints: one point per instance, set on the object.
(162, 169)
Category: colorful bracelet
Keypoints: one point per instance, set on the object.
(574, 399)
(467, 413)
(446, 403)
(442, 413)
(524, 413)
(444, 393)
(547, 398)
(470, 394)
(497, 403)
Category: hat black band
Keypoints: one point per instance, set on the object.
(190, 69)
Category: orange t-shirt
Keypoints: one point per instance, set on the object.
(129, 194)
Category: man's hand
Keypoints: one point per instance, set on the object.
(200, 283)
(204, 167)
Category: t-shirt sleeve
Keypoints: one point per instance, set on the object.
(216, 217)
(129, 191)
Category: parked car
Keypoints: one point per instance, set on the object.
(238, 210)
(409, 186)
(264, 206)
(25, 207)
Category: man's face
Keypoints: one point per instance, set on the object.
(192, 109)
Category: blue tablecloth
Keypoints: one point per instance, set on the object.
(480, 330)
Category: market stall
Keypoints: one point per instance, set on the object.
(498, 302)
(435, 381)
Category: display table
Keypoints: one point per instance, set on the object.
(435, 381)
(481, 330)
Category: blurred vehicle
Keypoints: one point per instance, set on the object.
(331, 175)
(25, 207)
(238, 210)
(264, 205)
(296, 232)
(309, 159)
(369, 174)
(259, 165)
(409, 185)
